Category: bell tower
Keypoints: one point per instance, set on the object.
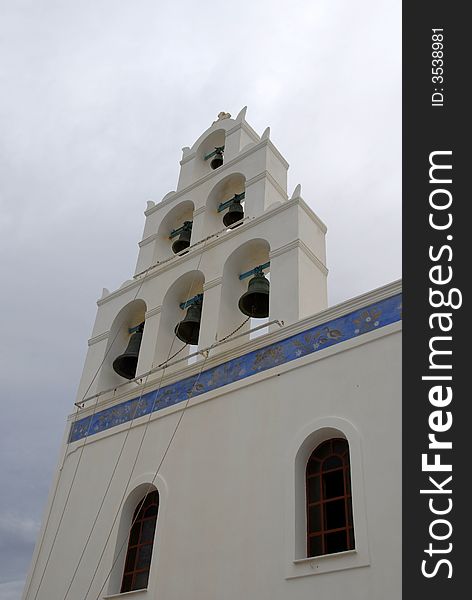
(229, 263)
(208, 251)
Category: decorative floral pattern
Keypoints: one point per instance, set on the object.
(338, 330)
(368, 320)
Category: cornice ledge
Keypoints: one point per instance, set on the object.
(267, 175)
(193, 251)
(99, 338)
(147, 240)
(155, 270)
(208, 176)
(277, 153)
(199, 211)
(154, 236)
(321, 318)
(302, 246)
(188, 157)
(212, 283)
(122, 290)
(153, 311)
(247, 128)
(344, 308)
(311, 213)
(167, 199)
(312, 256)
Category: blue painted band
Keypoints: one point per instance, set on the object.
(352, 325)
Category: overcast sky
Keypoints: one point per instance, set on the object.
(97, 99)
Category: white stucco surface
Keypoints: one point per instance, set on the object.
(227, 519)
(229, 464)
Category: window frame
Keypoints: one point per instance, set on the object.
(321, 504)
(139, 518)
(141, 485)
(310, 436)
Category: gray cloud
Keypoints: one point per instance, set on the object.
(98, 99)
(11, 590)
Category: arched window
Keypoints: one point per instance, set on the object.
(141, 538)
(328, 499)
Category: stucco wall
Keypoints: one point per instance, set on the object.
(226, 526)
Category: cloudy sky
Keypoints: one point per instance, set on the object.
(98, 98)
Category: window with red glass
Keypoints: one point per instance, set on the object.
(141, 539)
(328, 495)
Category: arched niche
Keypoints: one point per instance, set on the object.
(174, 219)
(311, 442)
(224, 190)
(128, 317)
(134, 499)
(185, 287)
(201, 166)
(245, 258)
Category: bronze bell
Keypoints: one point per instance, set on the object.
(217, 160)
(255, 302)
(188, 329)
(235, 213)
(183, 240)
(125, 364)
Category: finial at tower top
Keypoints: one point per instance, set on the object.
(223, 115)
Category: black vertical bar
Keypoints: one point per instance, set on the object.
(435, 123)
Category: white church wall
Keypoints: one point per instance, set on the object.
(225, 440)
(230, 511)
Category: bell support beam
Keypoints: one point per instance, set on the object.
(190, 301)
(175, 232)
(235, 198)
(188, 330)
(257, 269)
(134, 329)
(217, 150)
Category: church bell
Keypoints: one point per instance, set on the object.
(183, 240)
(235, 213)
(255, 302)
(217, 160)
(125, 364)
(187, 330)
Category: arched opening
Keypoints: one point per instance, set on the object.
(172, 221)
(342, 433)
(324, 521)
(209, 146)
(136, 540)
(140, 544)
(329, 519)
(185, 288)
(229, 188)
(124, 326)
(245, 258)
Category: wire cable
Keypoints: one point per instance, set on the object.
(151, 485)
(76, 468)
(169, 357)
